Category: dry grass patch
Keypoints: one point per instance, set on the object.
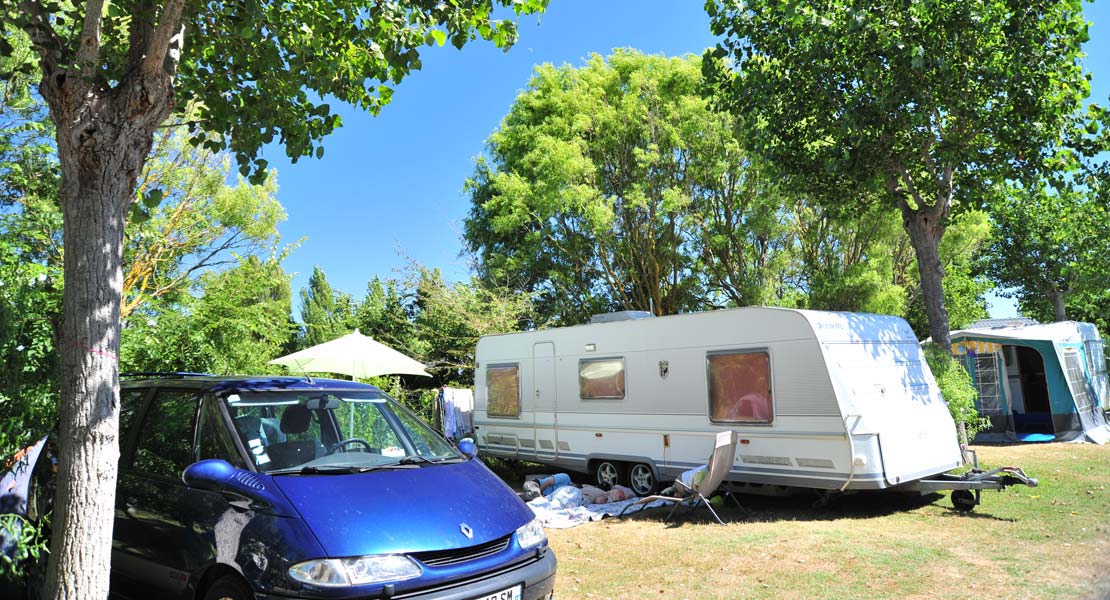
(1051, 541)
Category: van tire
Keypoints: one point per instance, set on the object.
(607, 473)
(228, 587)
(641, 479)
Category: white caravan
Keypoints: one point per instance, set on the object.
(832, 401)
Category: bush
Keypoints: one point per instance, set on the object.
(956, 388)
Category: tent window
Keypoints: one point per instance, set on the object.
(1096, 364)
(740, 387)
(1077, 380)
(988, 384)
(601, 378)
(503, 391)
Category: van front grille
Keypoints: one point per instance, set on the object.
(442, 558)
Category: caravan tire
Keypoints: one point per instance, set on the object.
(607, 473)
(641, 479)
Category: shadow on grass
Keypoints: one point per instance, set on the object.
(802, 506)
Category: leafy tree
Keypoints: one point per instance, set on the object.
(110, 72)
(326, 313)
(385, 314)
(614, 186)
(30, 270)
(451, 318)
(237, 320)
(848, 259)
(961, 252)
(935, 100)
(188, 219)
(958, 392)
(1052, 236)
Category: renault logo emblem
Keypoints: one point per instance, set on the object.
(466, 530)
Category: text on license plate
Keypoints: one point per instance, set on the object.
(512, 593)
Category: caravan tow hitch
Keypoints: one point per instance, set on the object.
(967, 486)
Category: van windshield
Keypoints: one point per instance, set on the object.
(322, 432)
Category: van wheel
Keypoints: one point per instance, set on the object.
(229, 587)
(641, 479)
(607, 474)
(963, 500)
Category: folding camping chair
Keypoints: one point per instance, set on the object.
(718, 467)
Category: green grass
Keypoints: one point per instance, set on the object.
(1052, 541)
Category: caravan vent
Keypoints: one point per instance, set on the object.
(624, 315)
(766, 460)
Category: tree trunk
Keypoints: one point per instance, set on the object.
(104, 136)
(925, 228)
(1059, 309)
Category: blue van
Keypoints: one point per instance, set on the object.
(235, 488)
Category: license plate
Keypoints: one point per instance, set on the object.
(512, 593)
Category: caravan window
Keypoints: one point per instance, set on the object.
(601, 378)
(740, 387)
(503, 391)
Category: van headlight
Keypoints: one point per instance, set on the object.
(342, 572)
(531, 534)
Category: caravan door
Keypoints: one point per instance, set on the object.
(545, 401)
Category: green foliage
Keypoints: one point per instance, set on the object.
(956, 388)
(385, 313)
(451, 318)
(236, 321)
(423, 317)
(30, 259)
(188, 218)
(29, 542)
(614, 186)
(1052, 236)
(962, 251)
(935, 100)
(264, 72)
(850, 259)
(326, 314)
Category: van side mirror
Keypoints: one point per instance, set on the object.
(239, 486)
(468, 447)
(208, 474)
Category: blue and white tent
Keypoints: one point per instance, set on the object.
(1037, 382)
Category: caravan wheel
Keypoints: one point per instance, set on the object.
(963, 500)
(607, 474)
(641, 479)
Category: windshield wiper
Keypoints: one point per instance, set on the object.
(418, 459)
(313, 470)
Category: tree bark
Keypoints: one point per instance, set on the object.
(104, 136)
(1059, 309)
(925, 228)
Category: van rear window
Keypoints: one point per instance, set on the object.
(740, 387)
(503, 391)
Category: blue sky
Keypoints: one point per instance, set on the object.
(390, 187)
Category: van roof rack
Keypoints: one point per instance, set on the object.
(164, 374)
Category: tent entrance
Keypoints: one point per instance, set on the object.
(1029, 401)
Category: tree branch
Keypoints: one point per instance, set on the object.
(88, 51)
(140, 31)
(45, 40)
(165, 44)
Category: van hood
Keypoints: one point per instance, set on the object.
(405, 510)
